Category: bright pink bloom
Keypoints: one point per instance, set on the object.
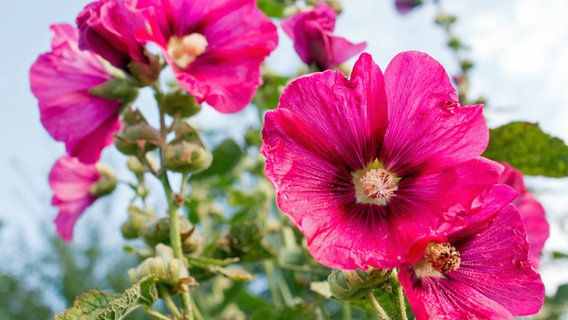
(405, 6)
(366, 165)
(312, 33)
(215, 47)
(487, 274)
(532, 213)
(70, 181)
(61, 80)
(107, 28)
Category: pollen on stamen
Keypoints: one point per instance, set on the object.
(375, 186)
(185, 50)
(443, 257)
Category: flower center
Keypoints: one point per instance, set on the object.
(374, 185)
(438, 259)
(184, 51)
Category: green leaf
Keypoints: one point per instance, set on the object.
(271, 8)
(88, 306)
(561, 297)
(225, 157)
(99, 305)
(559, 255)
(244, 241)
(296, 312)
(526, 147)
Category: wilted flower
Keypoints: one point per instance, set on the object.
(365, 165)
(532, 213)
(479, 272)
(312, 33)
(61, 80)
(215, 48)
(76, 186)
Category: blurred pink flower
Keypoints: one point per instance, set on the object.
(532, 213)
(107, 28)
(366, 165)
(61, 80)
(312, 34)
(405, 6)
(479, 272)
(70, 181)
(215, 47)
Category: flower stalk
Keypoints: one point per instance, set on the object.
(399, 300)
(381, 313)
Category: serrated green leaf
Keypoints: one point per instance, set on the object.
(525, 146)
(99, 305)
(88, 306)
(143, 293)
(225, 157)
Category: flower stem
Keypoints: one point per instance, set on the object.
(169, 302)
(381, 313)
(175, 236)
(399, 300)
(157, 315)
(346, 311)
(269, 267)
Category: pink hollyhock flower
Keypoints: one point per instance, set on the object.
(71, 182)
(479, 272)
(365, 165)
(107, 28)
(312, 33)
(405, 6)
(532, 213)
(61, 80)
(215, 47)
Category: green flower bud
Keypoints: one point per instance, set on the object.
(137, 218)
(158, 231)
(180, 103)
(116, 89)
(354, 284)
(170, 271)
(146, 73)
(106, 183)
(136, 137)
(135, 166)
(186, 153)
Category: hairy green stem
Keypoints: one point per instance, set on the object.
(399, 300)
(346, 311)
(381, 313)
(157, 315)
(170, 302)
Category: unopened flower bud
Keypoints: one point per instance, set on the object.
(136, 219)
(192, 242)
(158, 231)
(135, 166)
(106, 183)
(137, 136)
(116, 89)
(186, 153)
(180, 103)
(146, 73)
(169, 270)
(354, 284)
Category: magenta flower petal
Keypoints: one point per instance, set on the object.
(427, 125)
(323, 149)
(532, 213)
(222, 65)
(405, 6)
(312, 34)
(494, 279)
(70, 181)
(107, 28)
(61, 80)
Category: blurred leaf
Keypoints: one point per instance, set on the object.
(225, 157)
(236, 274)
(297, 312)
(98, 305)
(244, 241)
(561, 297)
(268, 94)
(530, 150)
(559, 255)
(272, 8)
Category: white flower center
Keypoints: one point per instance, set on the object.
(184, 51)
(374, 186)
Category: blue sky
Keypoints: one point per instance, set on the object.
(520, 48)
